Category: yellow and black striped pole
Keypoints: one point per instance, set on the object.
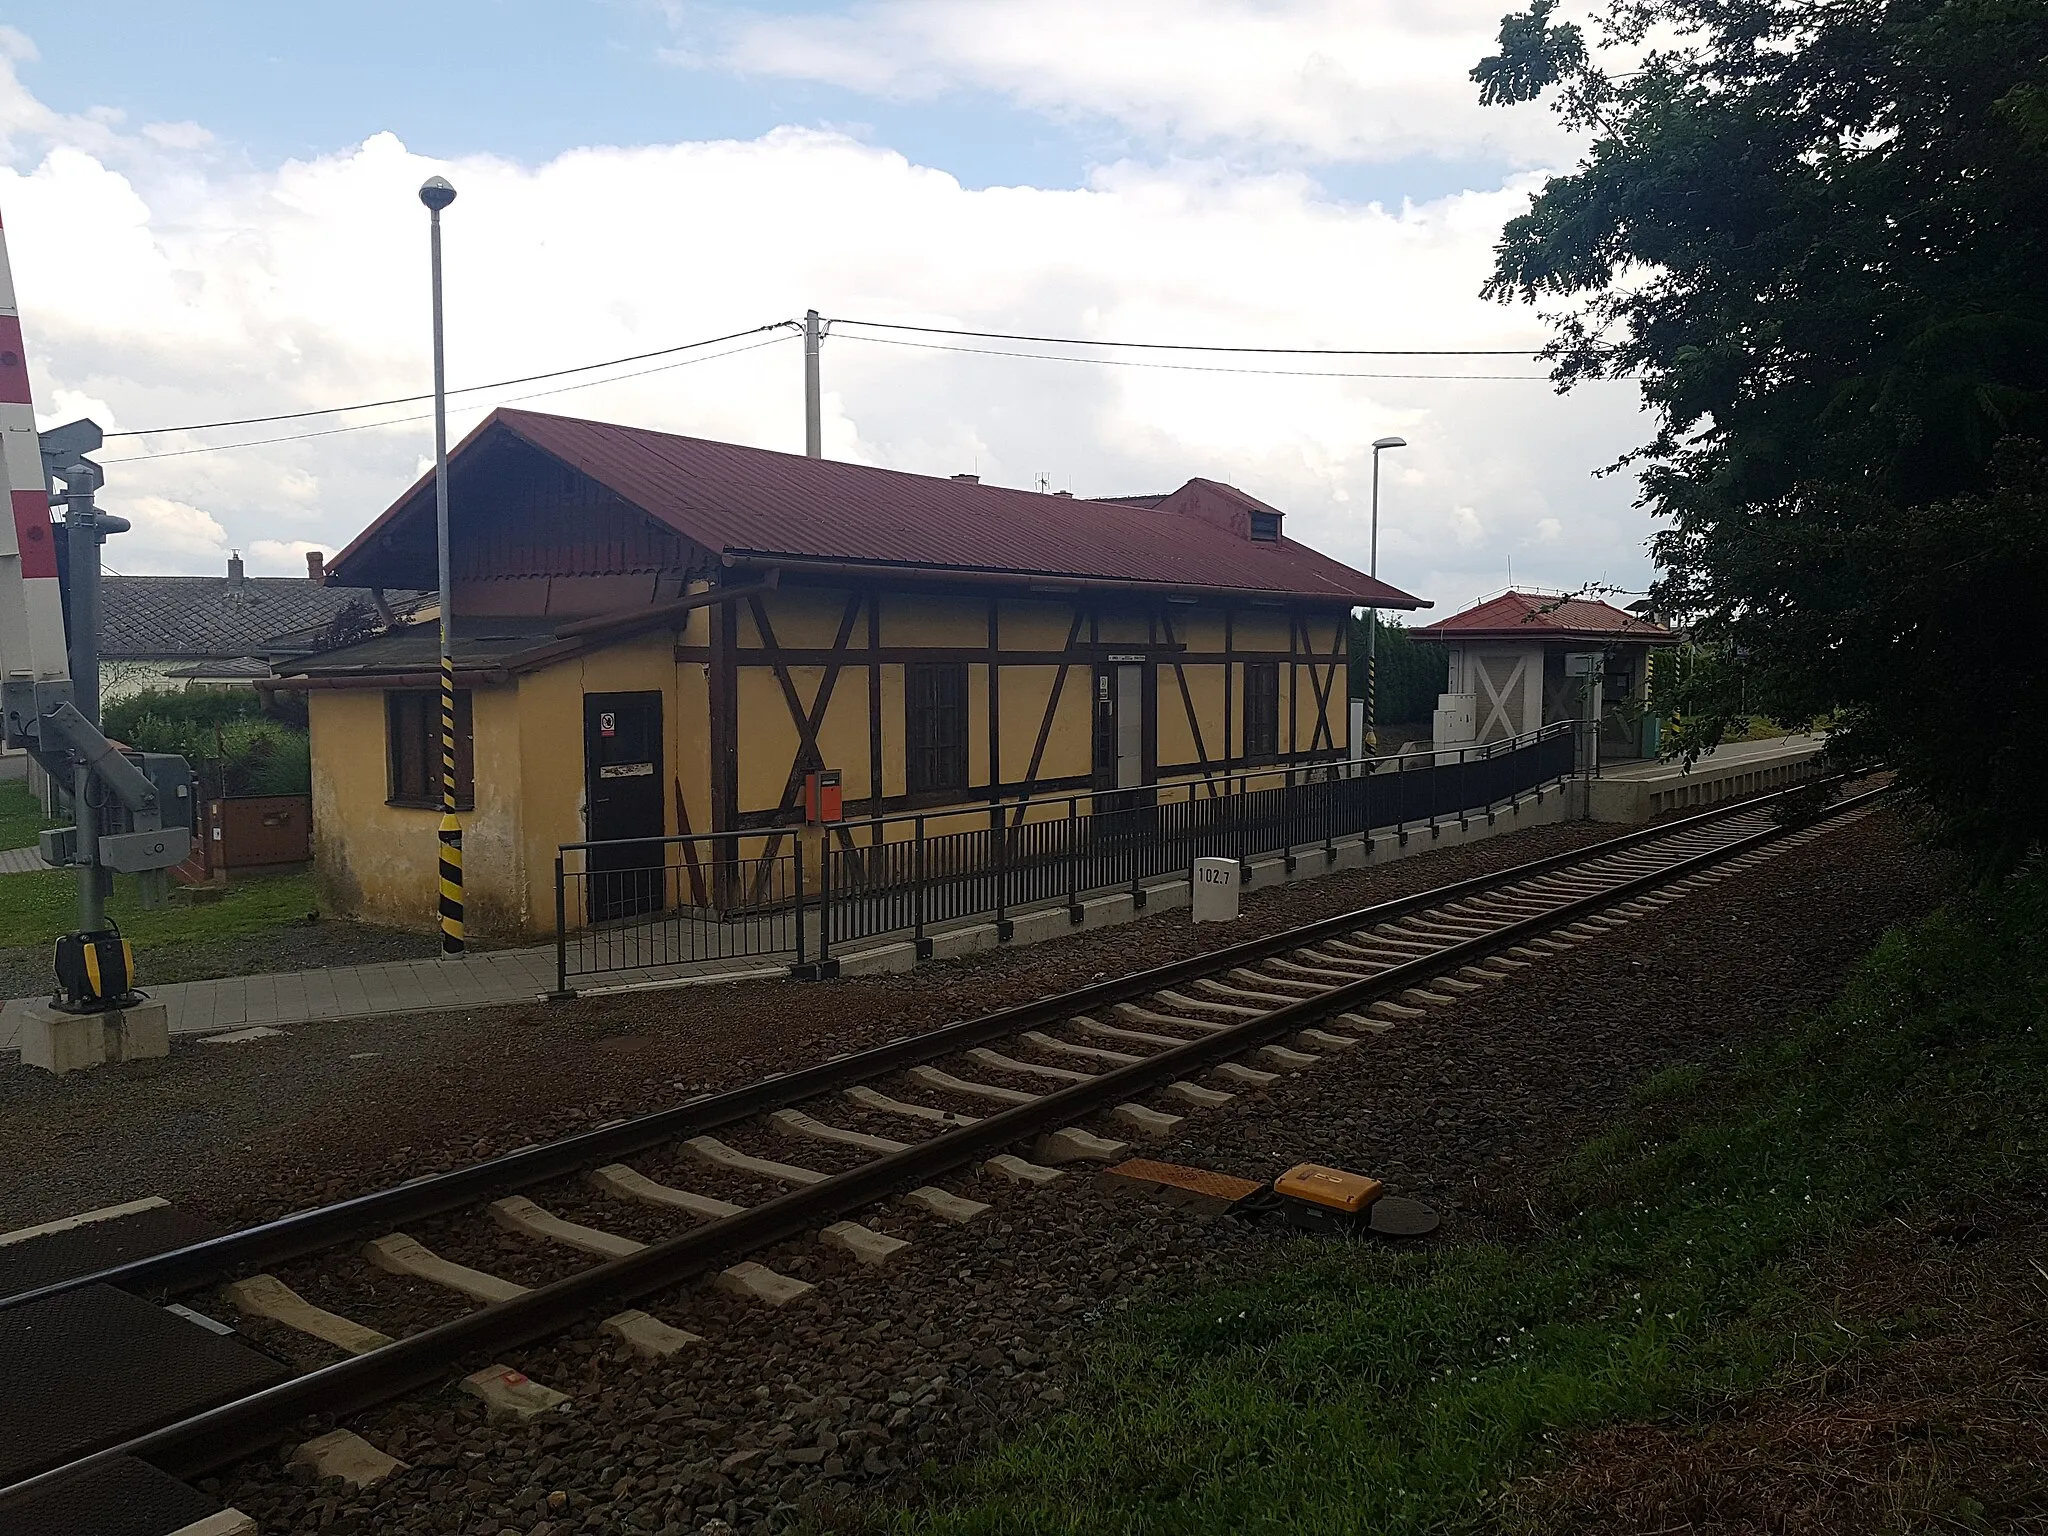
(1372, 679)
(437, 194)
(1372, 615)
(451, 829)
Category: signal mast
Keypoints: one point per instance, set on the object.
(133, 811)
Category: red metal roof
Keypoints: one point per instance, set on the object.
(1524, 615)
(753, 502)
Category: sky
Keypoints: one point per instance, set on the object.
(211, 214)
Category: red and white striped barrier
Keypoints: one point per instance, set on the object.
(31, 606)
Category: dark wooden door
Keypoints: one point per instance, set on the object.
(623, 788)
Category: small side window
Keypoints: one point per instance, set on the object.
(412, 726)
(1266, 527)
(1261, 711)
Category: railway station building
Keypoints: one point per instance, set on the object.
(1522, 660)
(659, 635)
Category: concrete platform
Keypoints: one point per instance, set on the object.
(1625, 793)
(1632, 793)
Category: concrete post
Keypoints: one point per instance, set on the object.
(814, 411)
(1214, 897)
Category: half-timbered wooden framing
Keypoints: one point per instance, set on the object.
(763, 616)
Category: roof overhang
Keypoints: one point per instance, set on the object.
(1056, 582)
(1526, 633)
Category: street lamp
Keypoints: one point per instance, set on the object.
(1372, 619)
(437, 194)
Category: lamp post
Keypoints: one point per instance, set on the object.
(437, 194)
(1372, 620)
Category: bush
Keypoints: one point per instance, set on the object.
(233, 746)
(1411, 672)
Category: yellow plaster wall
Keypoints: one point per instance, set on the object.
(766, 739)
(1039, 626)
(1120, 628)
(1025, 690)
(1259, 629)
(381, 863)
(804, 618)
(913, 619)
(1070, 746)
(1205, 689)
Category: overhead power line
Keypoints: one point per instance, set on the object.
(400, 421)
(879, 325)
(1192, 346)
(1134, 362)
(467, 389)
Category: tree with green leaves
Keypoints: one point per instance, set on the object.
(1816, 232)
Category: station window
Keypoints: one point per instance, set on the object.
(1261, 710)
(935, 728)
(1266, 527)
(412, 738)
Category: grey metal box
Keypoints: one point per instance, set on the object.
(133, 852)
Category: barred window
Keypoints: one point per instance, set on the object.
(412, 736)
(1261, 710)
(935, 728)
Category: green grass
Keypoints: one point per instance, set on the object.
(21, 818)
(1364, 1389)
(35, 908)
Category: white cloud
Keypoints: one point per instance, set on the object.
(1370, 80)
(201, 290)
(282, 557)
(167, 535)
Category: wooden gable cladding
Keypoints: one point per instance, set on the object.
(815, 676)
(522, 514)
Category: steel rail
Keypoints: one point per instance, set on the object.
(221, 1435)
(307, 1232)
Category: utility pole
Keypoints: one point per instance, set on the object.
(814, 414)
(1372, 621)
(437, 194)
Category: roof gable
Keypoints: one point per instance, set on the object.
(754, 503)
(1512, 615)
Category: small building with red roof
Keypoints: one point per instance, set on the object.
(1520, 660)
(657, 635)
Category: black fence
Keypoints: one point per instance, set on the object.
(659, 904)
(901, 874)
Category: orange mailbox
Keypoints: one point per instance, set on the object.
(822, 800)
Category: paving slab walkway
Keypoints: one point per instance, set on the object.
(20, 861)
(391, 986)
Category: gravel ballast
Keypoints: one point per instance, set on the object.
(243, 1133)
(973, 1330)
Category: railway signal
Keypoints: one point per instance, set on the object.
(132, 810)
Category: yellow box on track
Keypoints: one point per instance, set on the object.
(1329, 1187)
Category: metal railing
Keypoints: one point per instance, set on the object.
(910, 872)
(656, 904)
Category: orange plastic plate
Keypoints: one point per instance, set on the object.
(1331, 1187)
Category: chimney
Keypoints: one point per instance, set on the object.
(968, 479)
(234, 570)
(316, 567)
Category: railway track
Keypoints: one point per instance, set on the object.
(1082, 1076)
